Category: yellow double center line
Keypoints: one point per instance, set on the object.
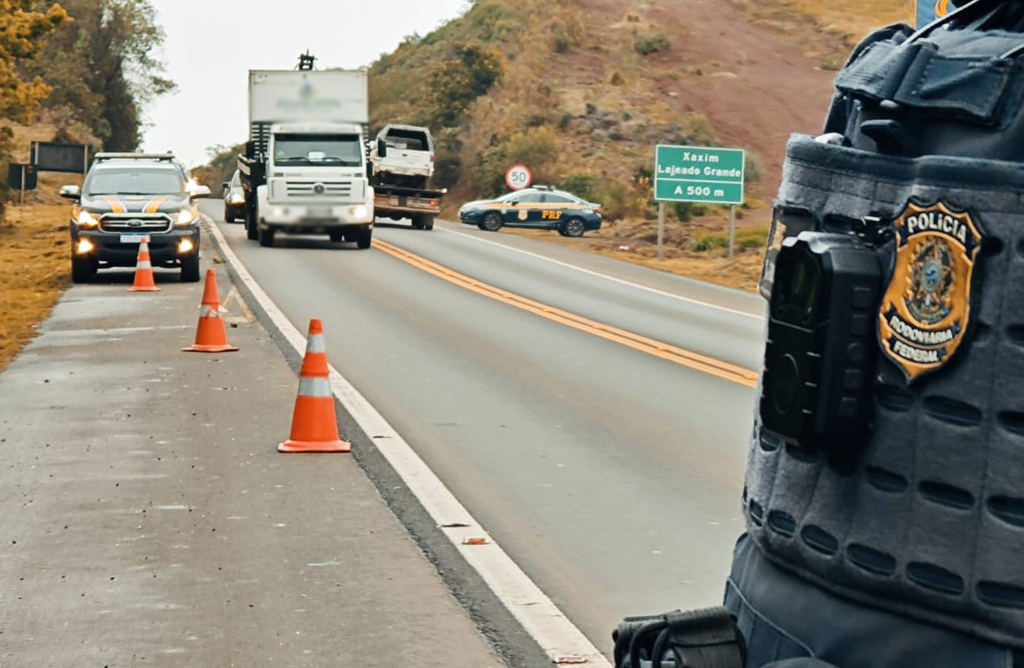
(660, 349)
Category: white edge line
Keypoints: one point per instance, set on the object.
(604, 276)
(531, 607)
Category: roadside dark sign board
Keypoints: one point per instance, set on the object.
(21, 176)
(56, 157)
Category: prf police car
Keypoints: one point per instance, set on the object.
(129, 196)
(539, 207)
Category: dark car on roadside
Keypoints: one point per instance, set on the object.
(234, 199)
(539, 207)
(127, 198)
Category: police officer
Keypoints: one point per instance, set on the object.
(884, 494)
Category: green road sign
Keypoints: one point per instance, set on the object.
(698, 174)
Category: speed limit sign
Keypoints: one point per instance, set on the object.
(518, 177)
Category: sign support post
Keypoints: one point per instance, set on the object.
(732, 229)
(22, 200)
(661, 229)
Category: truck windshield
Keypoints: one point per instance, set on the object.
(129, 181)
(317, 149)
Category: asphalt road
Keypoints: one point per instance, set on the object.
(611, 476)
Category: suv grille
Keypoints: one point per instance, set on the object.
(135, 222)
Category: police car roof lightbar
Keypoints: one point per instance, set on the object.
(133, 156)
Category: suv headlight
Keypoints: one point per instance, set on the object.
(185, 218)
(86, 219)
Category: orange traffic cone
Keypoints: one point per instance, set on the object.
(314, 424)
(210, 334)
(144, 280)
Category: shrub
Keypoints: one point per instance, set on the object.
(581, 185)
(753, 169)
(616, 200)
(651, 42)
(832, 63)
(752, 237)
(684, 211)
(707, 242)
(456, 82)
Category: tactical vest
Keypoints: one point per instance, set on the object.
(929, 520)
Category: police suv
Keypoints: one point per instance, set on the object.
(127, 197)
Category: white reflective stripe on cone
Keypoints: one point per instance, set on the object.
(314, 387)
(144, 265)
(316, 344)
(208, 312)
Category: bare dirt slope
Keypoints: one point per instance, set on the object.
(756, 71)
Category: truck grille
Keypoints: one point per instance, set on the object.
(131, 222)
(309, 188)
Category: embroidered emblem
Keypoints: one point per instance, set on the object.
(927, 305)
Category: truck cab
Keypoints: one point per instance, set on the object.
(316, 183)
(403, 155)
(304, 167)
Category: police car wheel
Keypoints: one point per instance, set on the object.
(492, 222)
(574, 227)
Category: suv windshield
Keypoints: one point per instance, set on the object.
(129, 181)
(317, 149)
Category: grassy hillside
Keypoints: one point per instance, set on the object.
(582, 91)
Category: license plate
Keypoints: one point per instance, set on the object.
(319, 212)
(134, 238)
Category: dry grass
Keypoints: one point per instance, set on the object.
(855, 19)
(34, 271)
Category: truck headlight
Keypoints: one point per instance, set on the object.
(360, 211)
(86, 219)
(185, 218)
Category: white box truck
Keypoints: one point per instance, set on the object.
(304, 167)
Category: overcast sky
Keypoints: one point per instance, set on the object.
(211, 45)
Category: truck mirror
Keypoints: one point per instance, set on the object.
(382, 148)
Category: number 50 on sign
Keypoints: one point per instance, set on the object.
(518, 177)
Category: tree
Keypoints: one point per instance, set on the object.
(459, 80)
(105, 69)
(22, 36)
(23, 31)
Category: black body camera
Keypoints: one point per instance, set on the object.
(820, 354)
